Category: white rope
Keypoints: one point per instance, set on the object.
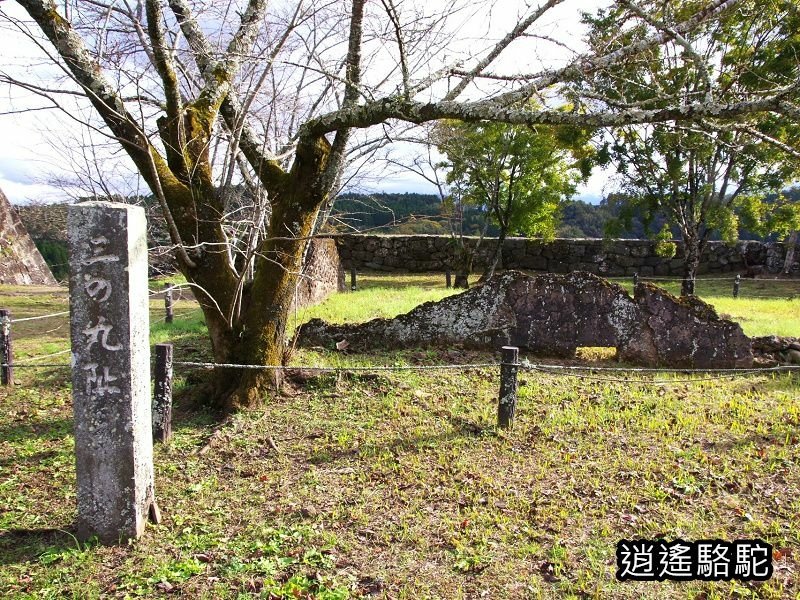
(770, 281)
(741, 279)
(568, 370)
(646, 381)
(186, 312)
(563, 370)
(43, 356)
(37, 366)
(678, 279)
(58, 314)
(574, 371)
(532, 366)
(208, 365)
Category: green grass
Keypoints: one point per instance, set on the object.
(378, 295)
(762, 316)
(764, 306)
(398, 485)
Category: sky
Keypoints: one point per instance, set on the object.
(35, 167)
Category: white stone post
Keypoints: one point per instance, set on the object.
(110, 369)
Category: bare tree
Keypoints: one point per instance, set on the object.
(203, 94)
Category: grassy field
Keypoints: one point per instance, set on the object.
(398, 485)
(764, 306)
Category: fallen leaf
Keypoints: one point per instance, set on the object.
(779, 553)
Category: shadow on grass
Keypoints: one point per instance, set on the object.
(462, 428)
(41, 378)
(756, 440)
(34, 459)
(47, 429)
(27, 545)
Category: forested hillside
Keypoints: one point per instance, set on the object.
(423, 213)
(377, 213)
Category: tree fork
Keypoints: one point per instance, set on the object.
(260, 339)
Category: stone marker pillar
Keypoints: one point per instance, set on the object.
(110, 369)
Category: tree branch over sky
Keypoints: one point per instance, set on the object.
(272, 98)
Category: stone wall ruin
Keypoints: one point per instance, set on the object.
(609, 258)
(554, 315)
(322, 274)
(20, 261)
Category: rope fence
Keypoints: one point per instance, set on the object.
(753, 288)
(25, 365)
(510, 365)
(719, 374)
(7, 362)
(43, 356)
(743, 279)
(40, 317)
(688, 284)
(550, 369)
(369, 368)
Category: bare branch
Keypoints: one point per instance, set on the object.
(512, 35)
(590, 63)
(162, 59)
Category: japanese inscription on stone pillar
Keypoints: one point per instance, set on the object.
(110, 369)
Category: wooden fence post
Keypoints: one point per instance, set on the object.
(341, 283)
(736, 283)
(6, 355)
(352, 279)
(507, 405)
(168, 303)
(162, 397)
(448, 279)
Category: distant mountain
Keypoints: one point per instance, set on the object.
(422, 213)
(407, 213)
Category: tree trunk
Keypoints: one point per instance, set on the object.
(259, 337)
(691, 260)
(790, 244)
(464, 257)
(497, 255)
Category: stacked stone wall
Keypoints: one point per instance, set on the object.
(20, 261)
(321, 276)
(611, 258)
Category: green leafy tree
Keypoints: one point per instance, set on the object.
(518, 176)
(779, 216)
(55, 255)
(695, 172)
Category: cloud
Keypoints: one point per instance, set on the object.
(15, 170)
(23, 193)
